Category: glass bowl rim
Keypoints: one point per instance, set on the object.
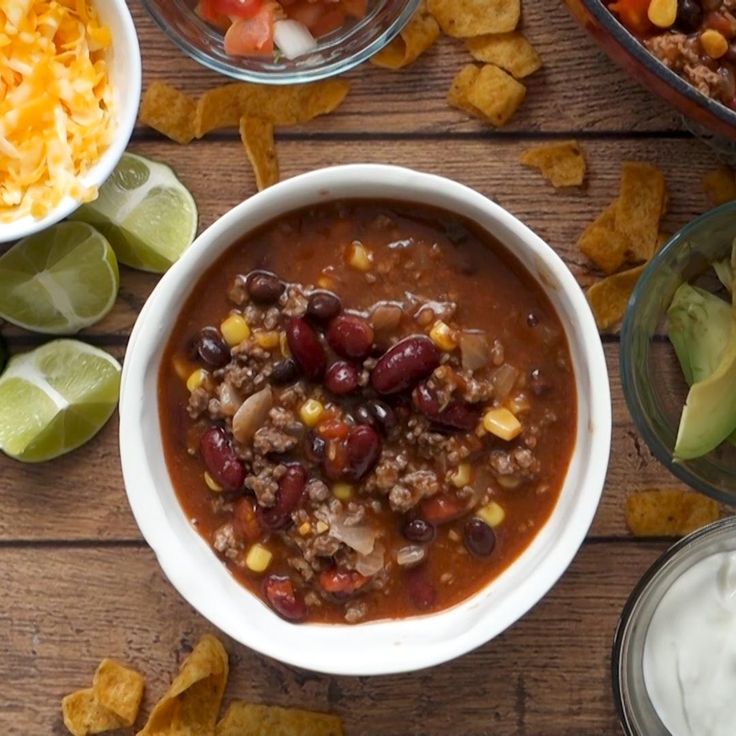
(626, 367)
(678, 548)
(331, 69)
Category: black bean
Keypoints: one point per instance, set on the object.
(418, 530)
(479, 537)
(264, 287)
(315, 447)
(285, 371)
(532, 320)
(323, 306)
(376, 414)
(211, 348)
(689, 16)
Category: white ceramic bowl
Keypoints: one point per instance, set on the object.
(124, 60)
(385, 646)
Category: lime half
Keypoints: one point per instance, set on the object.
(55, 398)
(60, 280)
(146, 213)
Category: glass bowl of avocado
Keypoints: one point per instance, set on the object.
(678, 354)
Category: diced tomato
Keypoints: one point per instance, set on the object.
(237, 8)
(633, 14)
(330, 21)
(251, 36)
(305, 12)
(206, 11)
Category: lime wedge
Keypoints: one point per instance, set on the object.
(60, 280)
(146, 213)
(55, 398)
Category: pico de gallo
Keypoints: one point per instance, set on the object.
(289, 27)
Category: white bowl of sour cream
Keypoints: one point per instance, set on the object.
(674, 653)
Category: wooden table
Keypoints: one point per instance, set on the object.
(78, 581)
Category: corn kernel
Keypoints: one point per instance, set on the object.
(714, 43)
(443, 336)
(267, 339)
(211, 483)
(359, 257)
(284, 345)
(662, 13)
(325, 282)
(342, 491)
(311, 412)
(518, 404)
(461, 476)
(196, 379)
(234, 329)
(492, 513)
(258, 558)
(322, 527)
(182, 367)
(305, 528)
(502, 423)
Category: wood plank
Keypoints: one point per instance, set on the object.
(547, 675)
(578, 88)
(219, 177)
(81, 496)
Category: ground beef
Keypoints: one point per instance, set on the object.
(355, 611)
(413, 488)
(387, 472)
(317, 491)
(703, 79)
(226, 542)
(302, 567)
(429, 444)
(355, 514)
(249, 370)
(475, 391)
(265, 484)
(272, 318)
(293, 303)
(519, 464)
(237, 293)
(198, 403)
(269, 439)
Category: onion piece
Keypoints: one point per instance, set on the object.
(503, 379)
(361, 538)
(230, 400)
(386, 316)
(252, 415)
(410, 555)
(293, 38)
(372, 563)
(475, 350)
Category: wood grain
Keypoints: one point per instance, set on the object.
(547, 675)
(577, 89)
(488, 165)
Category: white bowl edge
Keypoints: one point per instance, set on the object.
(126, 81)
(381, 647)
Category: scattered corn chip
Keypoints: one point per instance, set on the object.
(609, 297)
(224, 106)
(192, 702)
(720, 185)
(464, 18)
(510, 51)
(639, 208)
(245, 719)
(416, 37)
(563, 164)
(496, 94)
(606, 247)
(168, 111)
(668, 512)
(119, 690)
(461, 84)
(83, 714)
(257, 137)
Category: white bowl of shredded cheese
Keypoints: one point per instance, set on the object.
(68, 103)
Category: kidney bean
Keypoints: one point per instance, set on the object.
(350, 336)
(456, 415)
(315, 447)
(341, 583)
(281, 595)
(220, 459)
(418, 530)
(341, 378)
(284, 372)
(211, 348)
(479, 538)
(405, 364)
(288, 498)
(264, 287)
(441, 508)
(422, 593)
(306, 348)
(363, 448)
(245, 519)
(376, 414)
(323, 306)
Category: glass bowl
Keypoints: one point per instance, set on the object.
(635, 709)
(653, 384)
(337, 52)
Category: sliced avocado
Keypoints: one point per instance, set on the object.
(709, 415)
(724, 271)
(699, 325)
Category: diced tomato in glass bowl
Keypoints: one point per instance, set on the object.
(289, 27)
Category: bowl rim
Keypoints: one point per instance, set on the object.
(425, 640)
(126, 116)
(631, 44)
(680, 548)
(626, 364)
(332, 69)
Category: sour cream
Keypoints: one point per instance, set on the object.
(690, 651)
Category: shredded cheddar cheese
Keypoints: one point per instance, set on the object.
(55, 103)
